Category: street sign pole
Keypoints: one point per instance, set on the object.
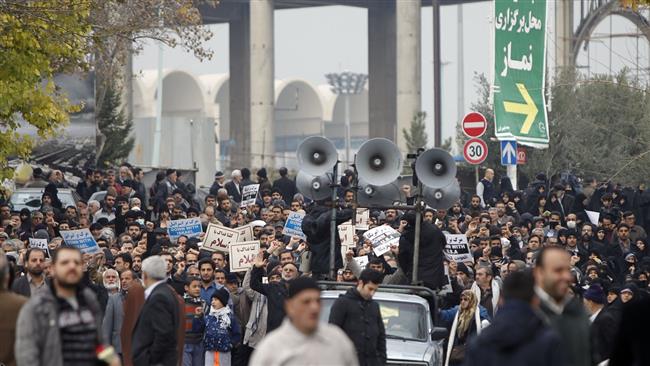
(511, 171)
(519, 72)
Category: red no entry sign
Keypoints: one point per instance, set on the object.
(474, 124)
(475, 151)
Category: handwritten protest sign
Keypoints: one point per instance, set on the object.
(249, 195)
(81, 239)
(457, 248)
(293, 226)
(381, 238)
(38, 243)
(362, 261)
(245, 233)
(189, 227)
(362, 219)
(242, 255)
(219, 238)
(346, 234)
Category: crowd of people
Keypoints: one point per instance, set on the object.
(559, 275)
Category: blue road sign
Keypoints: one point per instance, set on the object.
(508, 152)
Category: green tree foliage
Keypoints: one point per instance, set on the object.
(599, 127)
(38, 39)
(416, 136)
(116, 128)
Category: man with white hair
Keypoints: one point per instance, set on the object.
(93, 207)
(111, 281)
(156, 331)
(234, 186)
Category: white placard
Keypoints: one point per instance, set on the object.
(81, 239)
(242, 255)
(381, 238)
(363, 219)
(245, 233)
(593, 216)
(457, 248)
(219, 238)
(362, 261)
(249, 195)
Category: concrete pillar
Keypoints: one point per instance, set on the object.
(409, 68)
(262, 69)
(382, 93)
(239, 144)
(563, 34)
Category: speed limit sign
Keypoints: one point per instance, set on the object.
(475, 151)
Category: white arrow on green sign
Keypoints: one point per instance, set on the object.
(520, 64)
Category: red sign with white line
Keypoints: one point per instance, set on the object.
(475, 151)
(474, 125)
(522, 157)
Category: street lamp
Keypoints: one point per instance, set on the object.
(346, 84)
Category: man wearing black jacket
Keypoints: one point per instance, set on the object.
(286, 186)
(432, 241)
(275, 293)
(156, 330)
(358, 315)
(604, 323)
(316, 226)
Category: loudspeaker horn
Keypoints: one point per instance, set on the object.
(379, 161)
(442, 198)
(316, 155)
(372, 195)
(435, 168)
(315, 187)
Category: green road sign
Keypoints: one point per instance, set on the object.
(519, 70)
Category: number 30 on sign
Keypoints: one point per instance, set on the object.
(475, 151)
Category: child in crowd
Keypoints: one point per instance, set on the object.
(222, 331)
(193, 351)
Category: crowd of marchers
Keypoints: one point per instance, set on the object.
(558, 276)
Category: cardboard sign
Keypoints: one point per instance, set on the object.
(189, 227)
(249, 195)
(242, 255)
(362, 261)
(457, 248)
(81, 239)
(363, 219)
(293, 226)
(38, 243)
(219, 238)
(245, 233)
(381, 238)
(346, 234)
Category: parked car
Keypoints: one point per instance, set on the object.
(31, 198)
(411, 336)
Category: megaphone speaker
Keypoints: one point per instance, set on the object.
(442, 198)
(370, 195)
(379, 161)
(315, 187)
(435, 168)
(316, 155)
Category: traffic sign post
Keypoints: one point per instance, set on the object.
(474, 124)
(475, 151)
(508, 152)
(522, 157)
(519, 71)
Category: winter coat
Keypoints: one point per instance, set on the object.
(430, 268)
(603, 333)
(573, 327)
(257, 321)
(517, 336)
(113, 318)
(287, 187)
(38, 338)
(316, 226)
(275, 294)
(221, 337)
(361, 320)
(10, 305)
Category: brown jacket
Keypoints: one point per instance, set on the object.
(10, 305)
(132, 306)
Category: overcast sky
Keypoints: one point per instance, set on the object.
(313, 41)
